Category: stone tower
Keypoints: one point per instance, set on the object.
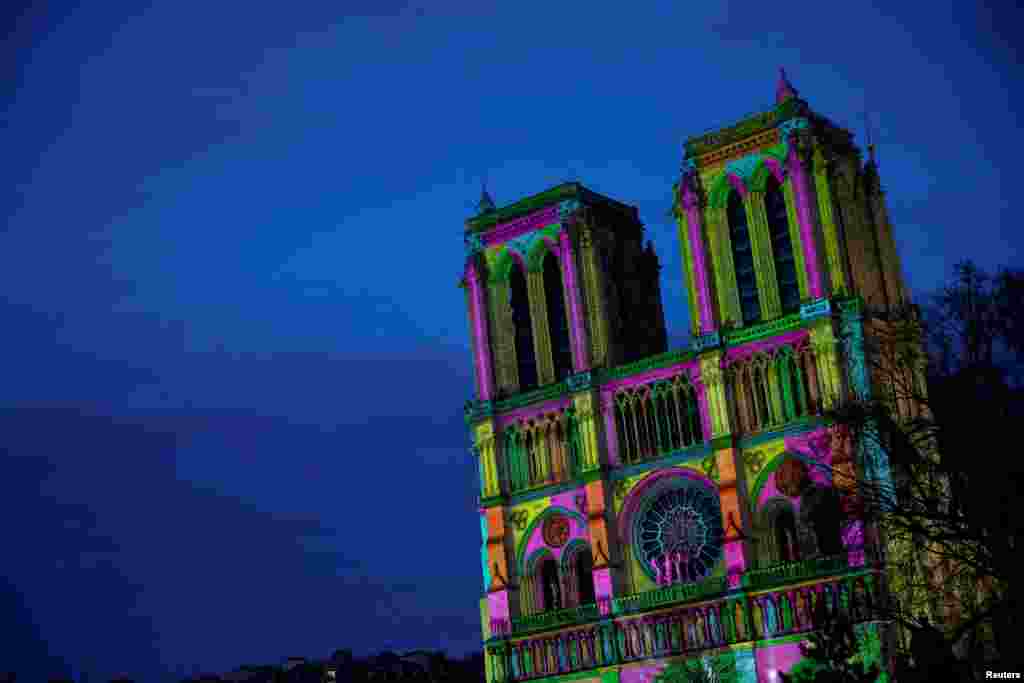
(644, 511)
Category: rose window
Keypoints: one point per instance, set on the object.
(678, 533)
(556, 531)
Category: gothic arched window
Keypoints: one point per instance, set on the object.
(782, 246)
(550, 588)
(584, 566)
(784, 535)
(743, 259)
(822, 512)
(519, 300)
(558, 321)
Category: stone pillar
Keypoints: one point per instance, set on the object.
(480, 336)
(711, 388)
(577, 324)
(826, 358)
(729, 466)
(724, 269)
(695, 258)
(504, 342)
(593, 287)
(501, 602)
(735, 518)
(487, 452)
(587, 405)
(798, 171)
(874, 460)
(603, 541)
(541, 334)
(611, 431)
(796, 239)
(764, 264)
(828, 225)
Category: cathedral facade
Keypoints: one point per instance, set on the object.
(646, 511)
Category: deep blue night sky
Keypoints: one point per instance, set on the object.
(234, 356)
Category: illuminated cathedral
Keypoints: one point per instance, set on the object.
(646, 511)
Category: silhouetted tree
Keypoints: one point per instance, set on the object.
(831, 652)
(945, 410)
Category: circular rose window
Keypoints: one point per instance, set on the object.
(556, 531)
(677, 532)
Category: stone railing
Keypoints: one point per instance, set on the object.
(670, 595)
(656, 418)
(731, 618)
(545, 620)
(788, 572)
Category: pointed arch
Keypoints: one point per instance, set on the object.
(499, 263)
(532, 591)
(721, 187)
(521, 549)
(769, 469)
(577, 567)
(777, 531)
(538, 251)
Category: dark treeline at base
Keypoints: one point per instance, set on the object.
(341, 667)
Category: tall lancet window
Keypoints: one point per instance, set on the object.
(551, 586)
(782, 246)
(519, 300)
(743, 260)
(558, 321)
(784, 529)
(585, 579)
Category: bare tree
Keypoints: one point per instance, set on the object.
(942, 418)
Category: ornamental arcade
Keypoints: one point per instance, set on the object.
(644, 508)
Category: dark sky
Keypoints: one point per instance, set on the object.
(234, 356)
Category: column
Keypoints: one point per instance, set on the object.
(802, 195)
(593, 290)
(500, 598)
(611, 430)
(724, 269)
(577, 326)
(479, 332)
(828, 225)
(826, 360)
(874, 460)
(735, 517)
(714, 408)
(764, 264)
(589, 430)
(506, 370)
(486, 449)
(603, 540)
(694, 257)
(541, 334)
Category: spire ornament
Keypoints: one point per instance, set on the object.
(784, 90)
(486, 204)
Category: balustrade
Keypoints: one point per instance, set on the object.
(774, 388)
(543, 450)
(786, 572)
(656, 419)
(679, 630)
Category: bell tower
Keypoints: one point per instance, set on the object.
(780, 212)
(557, 284)
(644, 511)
